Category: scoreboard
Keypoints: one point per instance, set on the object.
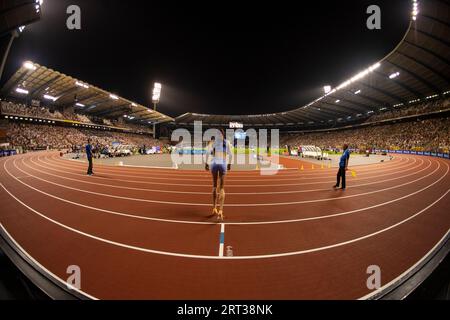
(236, 125)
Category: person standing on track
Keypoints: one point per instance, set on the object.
(89, 157)
(343, 167)
(220, 151)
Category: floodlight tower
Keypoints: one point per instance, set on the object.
(156, 96)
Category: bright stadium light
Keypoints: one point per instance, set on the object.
(22, 91)
(156, 93)
(80, 84)
(156, 96)
(114, 97)
(415, 10)
(29, 65)
(394, 75)
(327, 89)
(49, 97)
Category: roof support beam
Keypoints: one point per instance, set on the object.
(444, 42)
(434, 54)
(416, 76)
(111, 111)
(8, 87)
(334, 105)
(400, 84)
(44, 86)
(376, 101)
(436, 19)
(390, 95)
(425, 66)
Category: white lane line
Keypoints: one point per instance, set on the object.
(193, 204)
(405, 163)
(215, 257)
(230, 185)
(390, 283)
(205, 178)
(208, 193)
(295, 171)
(48, 272)
(23, 177)
(221, 239)
(230, 223)
(107, 167)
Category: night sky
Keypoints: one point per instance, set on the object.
(219, 57)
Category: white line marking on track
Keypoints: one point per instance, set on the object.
(230, 185)
(228, 205)
(198, 177)
(191, 256)
(222, 239)
(229, 223)
(208, 193)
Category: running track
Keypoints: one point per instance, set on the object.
(141, 233)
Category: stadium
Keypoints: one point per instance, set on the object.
(139, 226)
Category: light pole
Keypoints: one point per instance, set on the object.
(155, 99)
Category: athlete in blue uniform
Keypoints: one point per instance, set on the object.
(219, 149)
(343, 167)
(89, 157)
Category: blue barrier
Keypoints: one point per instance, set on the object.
(419, 153)
(7, 153)
(422, 153)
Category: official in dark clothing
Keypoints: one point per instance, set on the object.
(343, 167)
(89, 157)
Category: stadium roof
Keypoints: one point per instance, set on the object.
(418, 69)
(40, 83)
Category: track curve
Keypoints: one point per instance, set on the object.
(140, 233)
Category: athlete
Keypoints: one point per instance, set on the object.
(343, 168)
(219, 149)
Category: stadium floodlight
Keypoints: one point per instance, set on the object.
(29, 65)
(394, 75)
(327, 89)
(49, 97)
(22, 91)
(415, 10)
(157, 88)
(114, 97)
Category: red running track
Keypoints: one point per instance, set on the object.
(140, 233)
